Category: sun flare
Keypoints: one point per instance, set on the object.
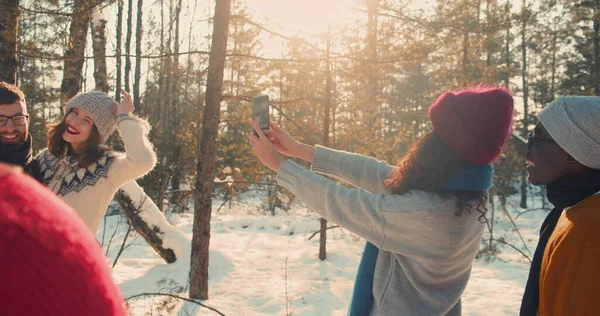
(306, 17)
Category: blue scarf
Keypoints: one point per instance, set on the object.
(472, 178)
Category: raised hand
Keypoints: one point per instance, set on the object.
(263, 149)
(126, 105)
(287, 145)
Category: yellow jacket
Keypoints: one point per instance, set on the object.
(570, 274)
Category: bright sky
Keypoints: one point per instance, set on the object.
(309, 18)
(303, 18)
(306, 17)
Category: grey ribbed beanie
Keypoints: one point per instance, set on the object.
(101, 107)
(574, 123)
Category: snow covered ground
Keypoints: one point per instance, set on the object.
(263, 264)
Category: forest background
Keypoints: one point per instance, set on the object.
(356, 75)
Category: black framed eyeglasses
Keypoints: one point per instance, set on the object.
(17, 119)
(531, 139)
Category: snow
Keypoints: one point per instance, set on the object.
(263, 264)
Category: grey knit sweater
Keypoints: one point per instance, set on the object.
(425, 251)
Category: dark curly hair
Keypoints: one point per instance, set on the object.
(428, 165)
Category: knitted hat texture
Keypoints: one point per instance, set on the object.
(101, 107)
(475, 122)
(574, 123)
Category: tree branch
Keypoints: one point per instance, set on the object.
(145, 294)
(318, 231)
(533, 209)
(513, 247)
(62, 13)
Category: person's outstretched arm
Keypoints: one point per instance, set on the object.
(361, 171)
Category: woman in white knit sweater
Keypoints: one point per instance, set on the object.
(79, 168)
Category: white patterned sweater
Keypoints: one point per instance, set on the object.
(89, 190)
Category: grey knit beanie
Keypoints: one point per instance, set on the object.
(101, 107)
(574, 123)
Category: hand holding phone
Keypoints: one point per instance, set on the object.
(260, 112)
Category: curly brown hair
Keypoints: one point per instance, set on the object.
(92, 151)
(427, 166)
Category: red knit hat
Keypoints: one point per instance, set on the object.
(475, 122)
(50, 264)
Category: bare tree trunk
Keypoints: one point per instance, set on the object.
(507, 46)
(323, 234)
(98, 28)
(138, 58)
(525, 17)
(175, 91)
(75, 51)
(371, 49)
(596, 76)
(489, 39)
(9, 34)
(465, 61)
(166, 102)
(118, 49)
(161, 80)
(553, 61)
(128, 44)
(206, 160)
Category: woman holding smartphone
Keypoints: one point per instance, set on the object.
(424, 218)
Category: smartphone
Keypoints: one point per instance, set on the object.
(260, 112)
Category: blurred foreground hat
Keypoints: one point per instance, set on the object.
(50, 263)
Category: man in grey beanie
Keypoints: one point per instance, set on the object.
(564, 154)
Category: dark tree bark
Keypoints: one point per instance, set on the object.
(206, 160)
(9, 33)
(75, 51)
(596, 75)
(507, 46)
(525, 17)
(326, 120)
(128, 44)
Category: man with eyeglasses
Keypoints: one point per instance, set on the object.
(15, 141)
(564, 155)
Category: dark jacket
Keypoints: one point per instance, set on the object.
(21, 156)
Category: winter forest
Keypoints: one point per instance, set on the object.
(354, 75)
